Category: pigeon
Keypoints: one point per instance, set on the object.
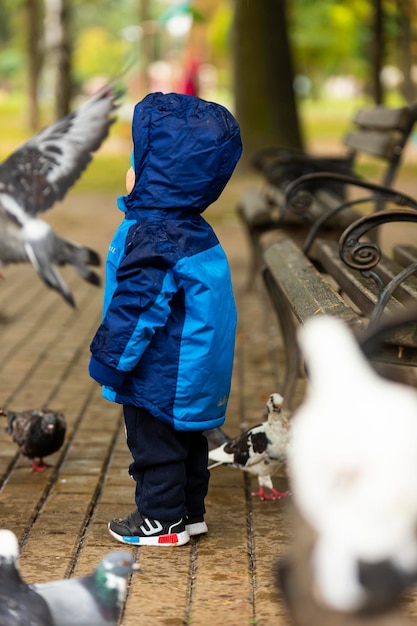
(294, 584)
(352, 466)
(37, 432)
(20, 605)
(92, 600)
(38, 174)
(261, 450)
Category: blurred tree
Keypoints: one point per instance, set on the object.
(263, 77)
(97, 53)
(59, 45)
(406, 42)
(331, 38)
(35, 57)
(12, 56)
(326, 38)
(378, 51)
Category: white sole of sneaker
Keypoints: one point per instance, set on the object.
(175, 539)
(199, 528)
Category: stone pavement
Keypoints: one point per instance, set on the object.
(60, 515)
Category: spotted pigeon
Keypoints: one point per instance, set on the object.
(261, 450)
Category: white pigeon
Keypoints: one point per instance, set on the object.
(20, 605)
(352, 467)
(38, 174)
(92, 600)
(261, 450)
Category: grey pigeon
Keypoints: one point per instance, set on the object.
(261, 450)
(93, 600)
(20, 605)
(37, 175)
(37, 432)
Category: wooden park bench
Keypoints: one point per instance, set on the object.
(352, 278)
(379, 132)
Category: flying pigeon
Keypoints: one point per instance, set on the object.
(352, 467)
(38, 174)
(93, 600)
(20, 605)
(37, 432)
(261, 450)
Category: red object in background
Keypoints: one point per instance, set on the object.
(191, 82)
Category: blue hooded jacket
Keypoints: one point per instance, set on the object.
(166, 341)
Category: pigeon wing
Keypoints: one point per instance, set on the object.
(19, 426)
(44, 168)
(249, 448)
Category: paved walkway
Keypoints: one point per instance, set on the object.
(60, 516)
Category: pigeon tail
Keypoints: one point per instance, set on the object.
(79, 257)
(220, 455)
(53, 279)
(64, 252)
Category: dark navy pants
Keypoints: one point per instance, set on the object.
(169, 466)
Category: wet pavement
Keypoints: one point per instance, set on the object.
(60, 515)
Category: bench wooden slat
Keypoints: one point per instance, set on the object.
(405, 255)
(379, 132)
(379, 144)
(385, 118)
(322, 201)
(362, 291)
(299, 290)
(254, 207)
(302, 284)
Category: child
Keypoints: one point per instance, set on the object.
(164, 349)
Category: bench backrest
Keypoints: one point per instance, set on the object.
(382, 132)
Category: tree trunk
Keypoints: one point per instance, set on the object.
(378, 52)
(405, 46)
(263, 72)
(58, 43)
(35, 58)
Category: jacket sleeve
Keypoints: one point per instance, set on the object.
(139, 305)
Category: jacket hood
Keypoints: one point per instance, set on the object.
(184, 151)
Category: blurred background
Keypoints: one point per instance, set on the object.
(292, 71)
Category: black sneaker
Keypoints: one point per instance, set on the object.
(140, 530)
(195, 525)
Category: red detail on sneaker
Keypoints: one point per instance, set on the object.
(168, 538)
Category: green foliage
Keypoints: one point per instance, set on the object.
(218, 30)
(97, 52)
(6, 21)
(105, 173)
(11, 62)
(113, 15)
(329, 36)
